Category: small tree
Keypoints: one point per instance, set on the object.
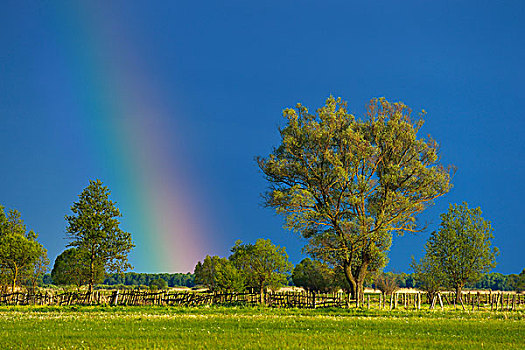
(262, 264)
(313, 275)
(35, 273)
(16, 254)
(428, 275)
(19, 249)
(94, 229)
(205, 274)
(461, 248)
(216, 273)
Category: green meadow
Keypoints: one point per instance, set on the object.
(30, 327)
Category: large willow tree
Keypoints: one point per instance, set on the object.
(347, 184)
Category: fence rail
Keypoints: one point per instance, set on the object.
(412, 300)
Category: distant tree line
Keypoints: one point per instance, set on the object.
(318, 282)
(492, 281)
(144, 279)
(141, 279)
(313, 276)
(499, 281)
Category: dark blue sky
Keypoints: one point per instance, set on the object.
(223, 74)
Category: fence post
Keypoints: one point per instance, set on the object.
(440, 301)
(114, 298)
(461, 301)
(395, 300)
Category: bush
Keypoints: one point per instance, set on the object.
(158, 283)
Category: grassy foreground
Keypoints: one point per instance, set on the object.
(254, 328)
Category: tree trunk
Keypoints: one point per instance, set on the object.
(91, 272)
(360, 295)
(33, 284)
(351, 280)
(357, 282)
(15, 276)
(361, 274)
(430, 295)
(261, 293)
(459, 288)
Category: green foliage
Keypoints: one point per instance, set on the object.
(428, 275)
(493, 280)
(262, 264)
(341, 281)
(347, 184)
(94, 229)
(461, 249)
(499, 281)
(406, 280)
(229, 278)
(519, 284)
(326, 247)
(205, 272)
(216, 273)
(313, 275)
(34, 275)
(46, 279)
(141, 279)
(21, 256)
(158, 283)
(70, 268)
(12, 223)
(16, 254)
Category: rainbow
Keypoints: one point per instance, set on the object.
(127, 119)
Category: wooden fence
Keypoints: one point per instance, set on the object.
(400, 300)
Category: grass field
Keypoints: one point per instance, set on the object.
(30, 327)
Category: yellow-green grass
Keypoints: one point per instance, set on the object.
(254, 328)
